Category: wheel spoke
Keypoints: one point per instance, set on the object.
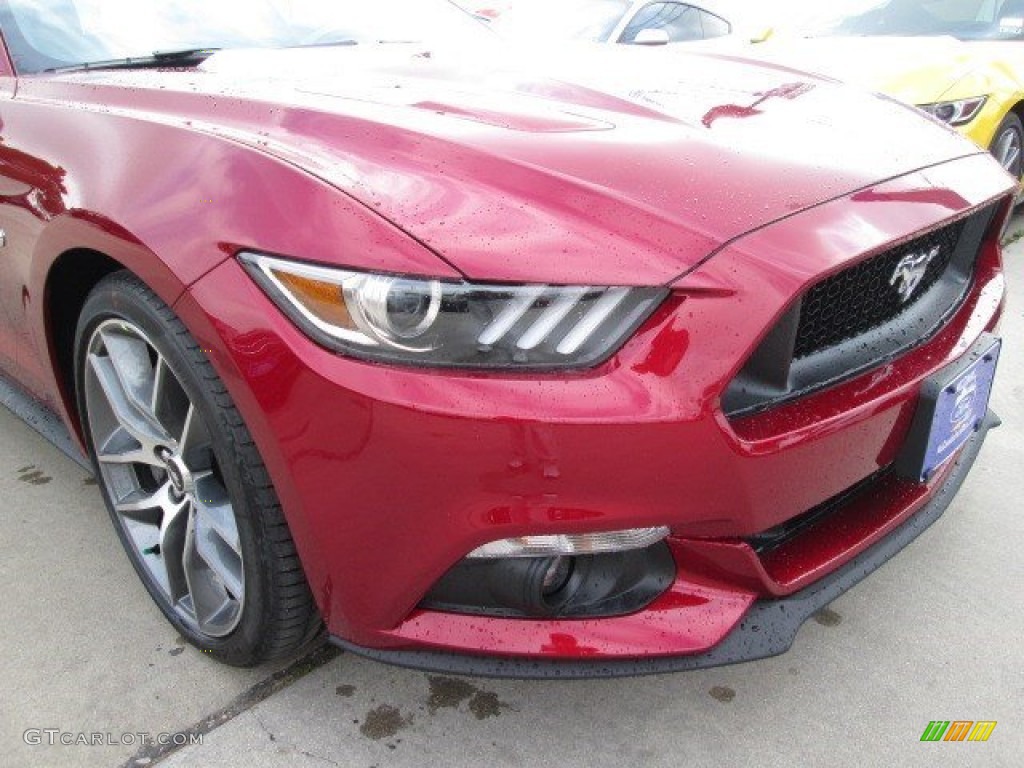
(161, 375)
(195, 435)
(173, 538)
(1012, 156)
(130, 359)
(1008, 151)
(122, 448)
(187, 438)
(210, 603)
(194, 443)
(126, 410)
(212, 561)
(217, 541)
(146, 506)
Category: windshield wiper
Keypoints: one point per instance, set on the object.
(182, 57)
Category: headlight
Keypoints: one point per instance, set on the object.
(956, 112)
(428, 322)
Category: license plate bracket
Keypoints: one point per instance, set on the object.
(952, 407)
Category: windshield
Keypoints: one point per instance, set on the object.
(588, 20)
(964, 19)
(48, 34)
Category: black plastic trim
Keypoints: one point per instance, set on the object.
(41, 419)
(768, 629)
(773, 376)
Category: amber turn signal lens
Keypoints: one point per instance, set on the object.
(324, 300)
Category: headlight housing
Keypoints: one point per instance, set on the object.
(441, 323)
(956, 113)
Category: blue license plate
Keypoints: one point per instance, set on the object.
(953, 405)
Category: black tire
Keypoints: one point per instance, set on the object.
(277, 617)
(1010, 133)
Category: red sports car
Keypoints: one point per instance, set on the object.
(564, 364)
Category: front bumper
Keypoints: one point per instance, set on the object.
(389, 477)
(767, 629)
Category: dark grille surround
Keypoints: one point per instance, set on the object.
(856, 320)
(862, 298)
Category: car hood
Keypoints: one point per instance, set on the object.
(914, 70)
(584, 166)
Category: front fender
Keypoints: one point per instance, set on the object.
(170, 203)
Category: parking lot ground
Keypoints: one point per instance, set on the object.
(934, 635)
(83, 647)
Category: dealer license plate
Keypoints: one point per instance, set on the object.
(953, 406)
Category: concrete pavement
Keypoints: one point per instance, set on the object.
(934, 635)
(84, 648)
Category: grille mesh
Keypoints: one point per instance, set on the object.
(862, 298)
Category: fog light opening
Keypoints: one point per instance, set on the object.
(556, 585)
(557, 574)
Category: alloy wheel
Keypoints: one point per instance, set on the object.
(1008, 149)
(158, 468)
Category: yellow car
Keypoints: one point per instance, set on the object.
(962, 61)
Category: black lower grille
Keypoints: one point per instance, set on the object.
(866, 296)
(863, 317)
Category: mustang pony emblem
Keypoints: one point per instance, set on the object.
(911, 271)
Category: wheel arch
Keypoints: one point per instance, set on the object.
(73, 254)
(1018, 109)
(70, 280)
